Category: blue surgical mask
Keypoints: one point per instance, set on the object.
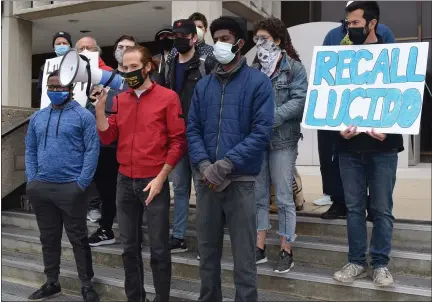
(60, 50)
(58, 97)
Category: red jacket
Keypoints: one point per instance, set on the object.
(150, 131)
(104, 66)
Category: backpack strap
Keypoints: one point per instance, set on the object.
(202, 68)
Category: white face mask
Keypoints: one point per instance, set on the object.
(222, 52)
(200, 34)
(119, 55)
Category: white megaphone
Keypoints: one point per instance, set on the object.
(75, 68)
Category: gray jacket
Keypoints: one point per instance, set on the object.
(290, 87)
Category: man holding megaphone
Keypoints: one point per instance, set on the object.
(150, 132)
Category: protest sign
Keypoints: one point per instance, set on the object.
(79, 89)
(376, 86)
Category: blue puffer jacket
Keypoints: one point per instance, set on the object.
(232, 117)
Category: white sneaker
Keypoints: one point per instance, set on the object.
(350, 272)
(94, 215)
(382, 277)
(323, 201)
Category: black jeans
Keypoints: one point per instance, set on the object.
(106, 184)
(235, 205)
(130, 207)
(329, 166)
(56, 205)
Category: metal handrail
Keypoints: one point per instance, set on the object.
(19, 125)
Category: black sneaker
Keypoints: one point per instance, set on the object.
(335, 212)
(285, 262)
(260, 255)
(177, 245)
(89, 294)
(101, 237)
(48, 290)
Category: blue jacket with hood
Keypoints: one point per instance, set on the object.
(62, 145)
(336, 35)
(232, 116)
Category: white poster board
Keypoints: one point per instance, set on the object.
(377, 86)
(79, 89)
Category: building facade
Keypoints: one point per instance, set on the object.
(28, 28)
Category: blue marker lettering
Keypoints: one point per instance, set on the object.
(381, 66)
(374, 94)
(358, 92)
(322, 68)
(310, 113)
(394, 64)
(411, 67)
(360, 79)
(342, 65)
(389, 117)
(410, 109)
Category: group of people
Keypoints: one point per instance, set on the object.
(199, 113)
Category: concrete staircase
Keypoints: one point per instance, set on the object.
(319, 251)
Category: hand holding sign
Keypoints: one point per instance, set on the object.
(377, 135)
(350, 132)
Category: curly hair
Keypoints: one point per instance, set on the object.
(278, 31)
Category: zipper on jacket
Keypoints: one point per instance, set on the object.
(220, 120)
(133, 138)
(220, 111)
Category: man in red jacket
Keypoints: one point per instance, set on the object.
(150, 130)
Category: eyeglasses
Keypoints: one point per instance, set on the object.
(57, 88)
(261, 39)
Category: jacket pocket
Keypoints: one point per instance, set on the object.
(281, 93)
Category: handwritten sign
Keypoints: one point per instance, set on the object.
(377, 86)
(79, 89)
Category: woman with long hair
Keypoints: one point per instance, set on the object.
(277, 58)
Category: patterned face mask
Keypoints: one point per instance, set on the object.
(268, 55)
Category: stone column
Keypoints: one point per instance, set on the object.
(211, 9)
(16, 64)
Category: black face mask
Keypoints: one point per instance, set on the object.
(358, 35)
(135, 78)
(182, 45)
(166, 44)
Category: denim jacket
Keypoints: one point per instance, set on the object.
(290, 97)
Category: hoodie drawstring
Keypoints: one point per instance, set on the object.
(47, 127)
(58, 122)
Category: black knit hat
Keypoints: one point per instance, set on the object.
(238, 26)
(62, 34)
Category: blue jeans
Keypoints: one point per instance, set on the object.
(182, 181)
(376, 172)
(277, 170)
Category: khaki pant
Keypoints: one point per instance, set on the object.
(297, 191)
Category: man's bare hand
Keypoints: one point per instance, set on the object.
(377, 135)
(100, 95)
(349, 132)
(155, 187)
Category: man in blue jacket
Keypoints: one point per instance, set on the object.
(62, 149)
(230, 124)
(329, 161)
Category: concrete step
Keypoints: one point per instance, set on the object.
(416, 235)
(403, 232)
(109, 281)
(303, 280)
(329, 252)
(13, 290)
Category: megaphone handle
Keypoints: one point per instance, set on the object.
(88, 74)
